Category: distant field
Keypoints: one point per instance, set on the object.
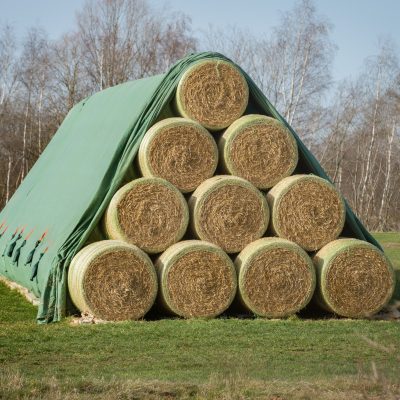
(391, 244)
(219, 359)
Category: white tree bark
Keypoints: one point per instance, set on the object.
(8, 178)
(367, 170)
(388, 180)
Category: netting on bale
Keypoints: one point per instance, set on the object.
(113, 281)
(180, 151)
(149, 213)
(212, 92)
(229, 212)
(355, 278)
(260, 149)
(197, 279)
(307, 210)
(276, 277)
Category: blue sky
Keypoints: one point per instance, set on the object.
(357, 24)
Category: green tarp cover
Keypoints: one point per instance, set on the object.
(69, 187)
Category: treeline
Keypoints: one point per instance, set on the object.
(355, 134)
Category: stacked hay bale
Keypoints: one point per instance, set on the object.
(223, 220)
(180, 151)
(112, 280)
(260, 149)
(276, 277)
(213, 92)
(355, 279)
(150, 213)
(197, 279)
(228, 211)
(307, 210)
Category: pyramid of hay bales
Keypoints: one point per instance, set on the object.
(186, 193)
(229, 216)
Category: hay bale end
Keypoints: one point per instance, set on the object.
(113, 281)
(276, 277)
(212, 92)
(229, 212)
(260, 149)
(355, 279)
(307, 210)
(150, 213)
(197, 279)
(180, 151)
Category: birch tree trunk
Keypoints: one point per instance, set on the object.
(388, 179)
(8, 178)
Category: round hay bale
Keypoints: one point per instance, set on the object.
(229, 212)
(307, 210)
(150, 213)
(354, 278)
(276, 277)
(113, 281)
(260, 149)
(197, 279)
(180, 151)
(212, 92)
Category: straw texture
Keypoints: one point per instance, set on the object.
(355, 279)
(260, 149)
(229, 212)
(180, 151)
(213, 93)
(148, 212)
(276, 277)
(197, 279)
(113, 281)
(307, 210)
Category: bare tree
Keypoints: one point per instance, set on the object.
(356, 135)
(345, 111)
(125, 39)
(34, 68)
(361, 150)
(68, 84)
(8, 84)
(292, 67)
(8, 74)
(115, 41)
(378, 80)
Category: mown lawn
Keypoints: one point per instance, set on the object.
(222, 358)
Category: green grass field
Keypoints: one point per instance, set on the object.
(218, 359)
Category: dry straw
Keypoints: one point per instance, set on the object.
(197, 279)
(260, 149)
(307, 210)
(148, 212)
(113, 281)
(355, 279)
(276, 277)
(212, 92)
(229, 212)
(180, 151)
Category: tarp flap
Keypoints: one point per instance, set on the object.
(66, 192)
